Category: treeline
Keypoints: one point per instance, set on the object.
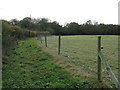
(14, 30)
(90, 29)
(73, 28)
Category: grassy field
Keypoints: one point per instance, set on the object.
(81, 51)
(28, 66)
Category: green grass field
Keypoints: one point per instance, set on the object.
(31, 65)
(81, 51)
(28, 66)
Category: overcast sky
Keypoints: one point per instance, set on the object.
(62, 11)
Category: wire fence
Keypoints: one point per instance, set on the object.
(82, 51)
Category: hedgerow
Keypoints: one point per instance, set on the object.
(11, 34)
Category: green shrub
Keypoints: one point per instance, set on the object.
(10, 34)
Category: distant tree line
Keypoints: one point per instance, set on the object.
(14, 30)
(73, 28)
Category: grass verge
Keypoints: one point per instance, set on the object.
(28, 66)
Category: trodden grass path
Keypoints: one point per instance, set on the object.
(28, 66)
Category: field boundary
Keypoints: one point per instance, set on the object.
(101, 57)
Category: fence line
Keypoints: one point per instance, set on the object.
(109, 70)
(101, 57)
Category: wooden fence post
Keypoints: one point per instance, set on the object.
(59, 44)
(119, 65)
(99, 60)
(37, 37)
(45, 40)
(41, 38)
